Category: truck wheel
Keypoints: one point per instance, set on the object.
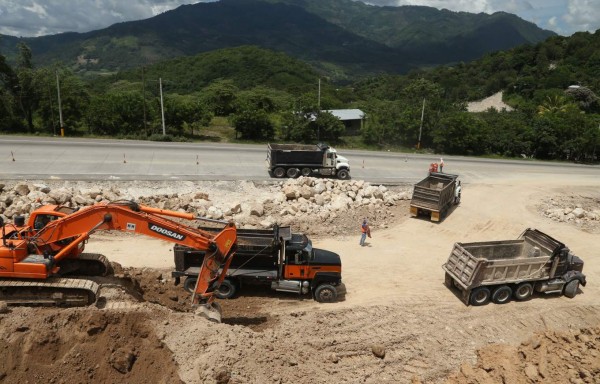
(306, 172)
(523, 291)
(343, 174)
(189, 284)
(571, 289)
(502, 294)
(325, 293)
(480, 296)
(226, 290)
(279, 172)
(293, 172)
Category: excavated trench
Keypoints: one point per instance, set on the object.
(113, 341)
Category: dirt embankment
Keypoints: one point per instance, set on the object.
(82, 346)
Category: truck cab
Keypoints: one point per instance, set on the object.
(339, 162)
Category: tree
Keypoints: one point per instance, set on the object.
(74, 96)
(116, 113)
(27, 97)
(220, 96)
(556, 104)
(253, 124)
(327, 127)
(459, 133)
(8, 87)
(585, 97)
(185, 111)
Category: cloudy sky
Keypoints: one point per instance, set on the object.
(44, 17)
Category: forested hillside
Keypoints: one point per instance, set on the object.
(268, 95)
(426, 35)
(553, 87)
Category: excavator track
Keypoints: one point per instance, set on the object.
(54, 291)
(86, 264)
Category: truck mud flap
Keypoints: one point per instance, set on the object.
(462, 294)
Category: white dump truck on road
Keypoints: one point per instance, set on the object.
(293, 160)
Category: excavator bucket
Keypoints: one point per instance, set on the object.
(210, 311)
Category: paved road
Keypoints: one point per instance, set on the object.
(92, 159)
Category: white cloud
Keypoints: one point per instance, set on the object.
(583, 15)
(39, 17)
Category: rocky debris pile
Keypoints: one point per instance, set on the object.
(549, 357)
(298, 202)
(581, 211)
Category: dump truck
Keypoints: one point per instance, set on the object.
(293, 160)
(277, 258)
(501, 270)
(434, 195)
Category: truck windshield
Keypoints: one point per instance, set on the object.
(308, 252)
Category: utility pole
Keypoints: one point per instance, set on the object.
(421, 126)
(162, 106)
(60, 116)
(319, 96)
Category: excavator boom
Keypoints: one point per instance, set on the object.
(45, 253)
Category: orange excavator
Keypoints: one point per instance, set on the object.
(42, 261)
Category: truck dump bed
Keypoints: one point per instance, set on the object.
(433, 194)
(508, 261)
(294, 154)
(256, 249)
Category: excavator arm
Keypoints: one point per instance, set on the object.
(59, 238)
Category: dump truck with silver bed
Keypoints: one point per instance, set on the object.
(501, 270)
(434, 195)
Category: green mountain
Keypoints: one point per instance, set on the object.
(339, 37)
(245, 66)
(450, 36)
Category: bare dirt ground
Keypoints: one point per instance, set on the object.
(142, 329)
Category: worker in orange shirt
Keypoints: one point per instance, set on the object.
(365, 231)
(433, 167)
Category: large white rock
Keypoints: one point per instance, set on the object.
(578, 212)
(307, 192)
(214, 213)
(41, 187)
(320, 188)
(61, 195)
(6, 199)
(257, 210)
(36, 196)
(340, 203)
(319, 200)
(235, 207)
(22, 189)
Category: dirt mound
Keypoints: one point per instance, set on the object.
(82, 345)
(552, 357)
